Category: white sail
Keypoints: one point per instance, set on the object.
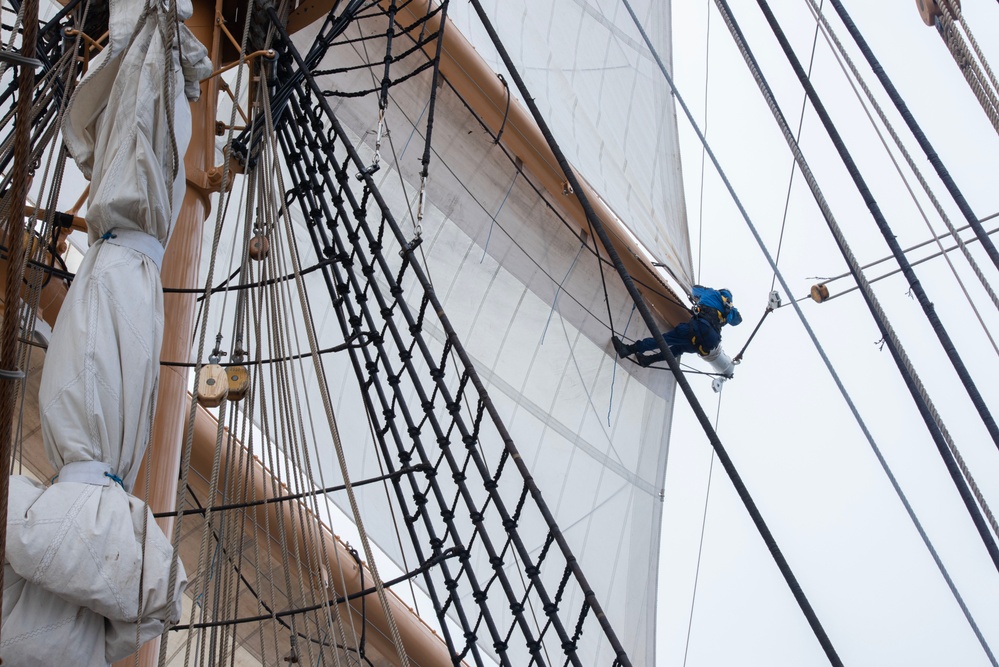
(601, 91)
(527, 297)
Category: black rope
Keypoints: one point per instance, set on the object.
(339, 284)
(506, 111)
(643, 309)
(331, 602)
(393, 410)
(917, 132)
(386, 79)
(923, 408)
(432, 105)
(295, 496)
(928, 308)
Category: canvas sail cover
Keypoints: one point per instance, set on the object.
(530, 299)
(75, 550)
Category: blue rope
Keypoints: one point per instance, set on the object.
(111, 475)
(108, 235)
(559, 291)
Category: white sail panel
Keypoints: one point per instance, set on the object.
(602, 93)
(527, 299)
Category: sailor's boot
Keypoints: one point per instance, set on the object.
(645, 360)
(622, 349)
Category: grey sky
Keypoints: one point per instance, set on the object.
(805, 460)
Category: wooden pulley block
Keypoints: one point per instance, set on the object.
(259, 247)
(929, 10)
(819, 293)
(212, 386)
(239, 382)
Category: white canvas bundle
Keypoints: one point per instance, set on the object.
(75, 551)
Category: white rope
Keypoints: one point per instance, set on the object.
(839, 52)
(331, 419)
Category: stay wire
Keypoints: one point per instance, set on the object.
(931, 417)
(917, 132)
(811, 334)
(700, 199)
(882, 224)
(700, 542)
(790, 180)
(844, 61)
(651, 323)
(895, 272)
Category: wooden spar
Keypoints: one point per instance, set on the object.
(485, 94)
(423, 647)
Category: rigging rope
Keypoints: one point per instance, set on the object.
(928, 308)
(790, 180)
(368, 363)
(842, 57)
(811, 334)
(983, 84)
(896, 271)
(646, 314)
(917, 132)
(898, 353)
(328, 406)
(425, 160)
(700, 541)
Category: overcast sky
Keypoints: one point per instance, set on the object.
(806, 462)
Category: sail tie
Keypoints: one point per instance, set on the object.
(95, 473)
(140, 242)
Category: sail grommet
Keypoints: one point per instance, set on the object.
(259, 247)
(238, 378)
(212, 386)
(820, 293)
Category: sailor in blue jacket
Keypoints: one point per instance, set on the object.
(712, 310)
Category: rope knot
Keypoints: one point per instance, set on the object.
(113, 477)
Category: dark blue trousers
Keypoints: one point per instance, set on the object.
(696, 336)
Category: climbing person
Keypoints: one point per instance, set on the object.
(712, 310)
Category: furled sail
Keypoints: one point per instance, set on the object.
(87, 569)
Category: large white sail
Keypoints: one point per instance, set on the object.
(530, 304)
(609, 106)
